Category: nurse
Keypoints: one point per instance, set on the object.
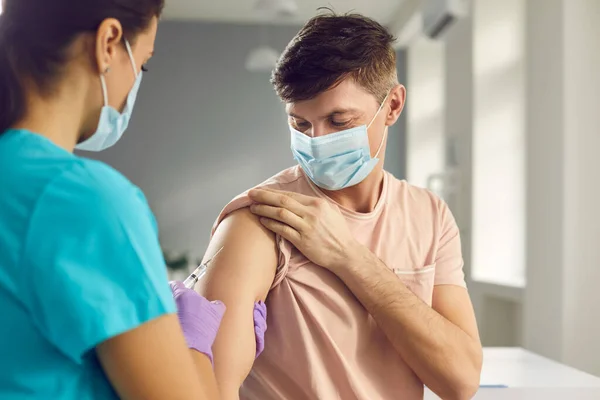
(85, 307)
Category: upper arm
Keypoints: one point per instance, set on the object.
(239, 276)
(153, 362)
(450, 296)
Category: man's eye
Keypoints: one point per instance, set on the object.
(301, 125)
(340, 124)
(144, 68)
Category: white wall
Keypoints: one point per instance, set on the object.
(582, 184)
(458, 127)
(554, 91)
(543, 311)
(562, 299)
(425, 111)
(498, 230)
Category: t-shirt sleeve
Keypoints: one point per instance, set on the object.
(284, 248)
(92, 261)
(449, 260)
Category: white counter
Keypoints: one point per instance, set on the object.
(530, 376)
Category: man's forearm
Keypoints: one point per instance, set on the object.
(442, 355)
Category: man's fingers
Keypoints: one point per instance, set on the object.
(300, 198)
(277, 199)
(281, 229)
(279, 214)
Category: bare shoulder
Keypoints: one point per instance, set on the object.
(248, 261)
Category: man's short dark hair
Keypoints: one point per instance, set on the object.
(330, 48)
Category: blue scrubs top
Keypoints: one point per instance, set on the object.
(80, 262)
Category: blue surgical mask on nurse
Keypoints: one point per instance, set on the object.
(112, 123)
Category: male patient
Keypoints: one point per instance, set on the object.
(361, 272)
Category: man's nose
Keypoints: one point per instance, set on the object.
(318, 130)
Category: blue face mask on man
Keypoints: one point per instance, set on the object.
(112, 123)
(338, 160)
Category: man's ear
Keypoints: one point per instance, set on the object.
(397, 98)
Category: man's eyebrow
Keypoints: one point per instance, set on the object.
(336, 111)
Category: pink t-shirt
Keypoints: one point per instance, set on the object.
(321, 343)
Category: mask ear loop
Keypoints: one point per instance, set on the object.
(382, 141)
(135, 72)
(379, 110)
(103, 80)
(386, 128)
(103, 84)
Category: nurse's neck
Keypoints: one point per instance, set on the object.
(57, 116)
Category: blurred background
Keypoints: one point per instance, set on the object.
(502, 120)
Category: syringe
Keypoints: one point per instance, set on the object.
(199, 272)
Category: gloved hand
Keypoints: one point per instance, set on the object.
(260, 326)
(199, 318)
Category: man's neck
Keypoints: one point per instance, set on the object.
(362, 198)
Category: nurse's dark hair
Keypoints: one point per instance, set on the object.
(35, 36)
(332, 47)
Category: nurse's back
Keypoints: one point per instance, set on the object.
(86, 311)
(61, 220)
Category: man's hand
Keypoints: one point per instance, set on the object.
(314, 226)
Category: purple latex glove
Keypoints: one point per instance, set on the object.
(260, 326)
(199, 318)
